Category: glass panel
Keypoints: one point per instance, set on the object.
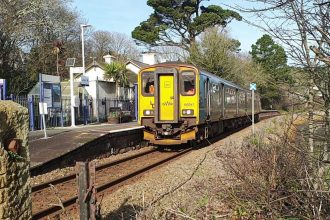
(188, 83)
(148, 84)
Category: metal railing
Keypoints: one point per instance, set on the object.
(97, 111)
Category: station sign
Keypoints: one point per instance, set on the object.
(3, 89)
(50, 78)
(43, 108)
(77, 69)
(84, 81)
(253, 86)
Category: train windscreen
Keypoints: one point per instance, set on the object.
(148, 84)
(188, 84)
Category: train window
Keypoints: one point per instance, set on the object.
(215, 94)
(148, 84)
(188, 85)
(230, 96)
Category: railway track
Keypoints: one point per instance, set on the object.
(268, 114)
(108, 177)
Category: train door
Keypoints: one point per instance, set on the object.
(166, 95)
(1, 95)
(237, 95)
(166, 98)
(208, 97)
(225, 101)
(221, 100)
(246, 103)
(202, 99)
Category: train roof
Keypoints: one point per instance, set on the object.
(170, 64)
(225, 82)
(177, 63)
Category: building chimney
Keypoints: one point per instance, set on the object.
(108, 58)
(149, 58)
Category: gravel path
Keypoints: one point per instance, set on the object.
(178, 189)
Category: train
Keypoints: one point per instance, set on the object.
(180, 103)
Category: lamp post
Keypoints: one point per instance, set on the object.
(82, 26)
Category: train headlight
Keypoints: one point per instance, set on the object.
(148, 112)
(187, 112)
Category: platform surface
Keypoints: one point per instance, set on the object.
(66, 139)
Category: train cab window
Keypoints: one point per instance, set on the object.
(188, 83)
(148, 84)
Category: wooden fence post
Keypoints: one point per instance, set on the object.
(86, 190)
(92, 192)
(82, 170)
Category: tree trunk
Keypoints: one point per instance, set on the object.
(310, 118)
(327, 132)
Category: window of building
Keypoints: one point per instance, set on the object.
(148, 84)
(188, 85)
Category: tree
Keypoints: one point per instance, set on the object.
(214, 52)
(27, 32)
(217, 53)
(117, 44)
(101, 41)
(171, 53)
(303, 27)
(270, 55)
(178, 23)
(273, 59)
(117, 72)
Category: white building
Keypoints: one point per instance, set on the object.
(104, 94)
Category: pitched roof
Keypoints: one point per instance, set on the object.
(94, 64)
(137, 63)
(131, 76)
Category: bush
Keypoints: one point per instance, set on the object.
(271, 177)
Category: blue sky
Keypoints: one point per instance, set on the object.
(124, 15)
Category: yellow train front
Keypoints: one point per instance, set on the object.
(179, 103)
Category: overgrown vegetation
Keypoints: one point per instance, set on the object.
(272, 177)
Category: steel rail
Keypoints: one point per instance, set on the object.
(139, 171)
(103, 166)
(105, 186)
(113, 183)
(100, 167)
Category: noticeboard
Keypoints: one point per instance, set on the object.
(84, 81)
(48, 95)
(56, 95)
(50, 90)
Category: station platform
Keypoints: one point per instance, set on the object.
(60, 141)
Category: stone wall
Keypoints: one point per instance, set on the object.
(15, 190)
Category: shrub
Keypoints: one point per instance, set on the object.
(271, 177)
